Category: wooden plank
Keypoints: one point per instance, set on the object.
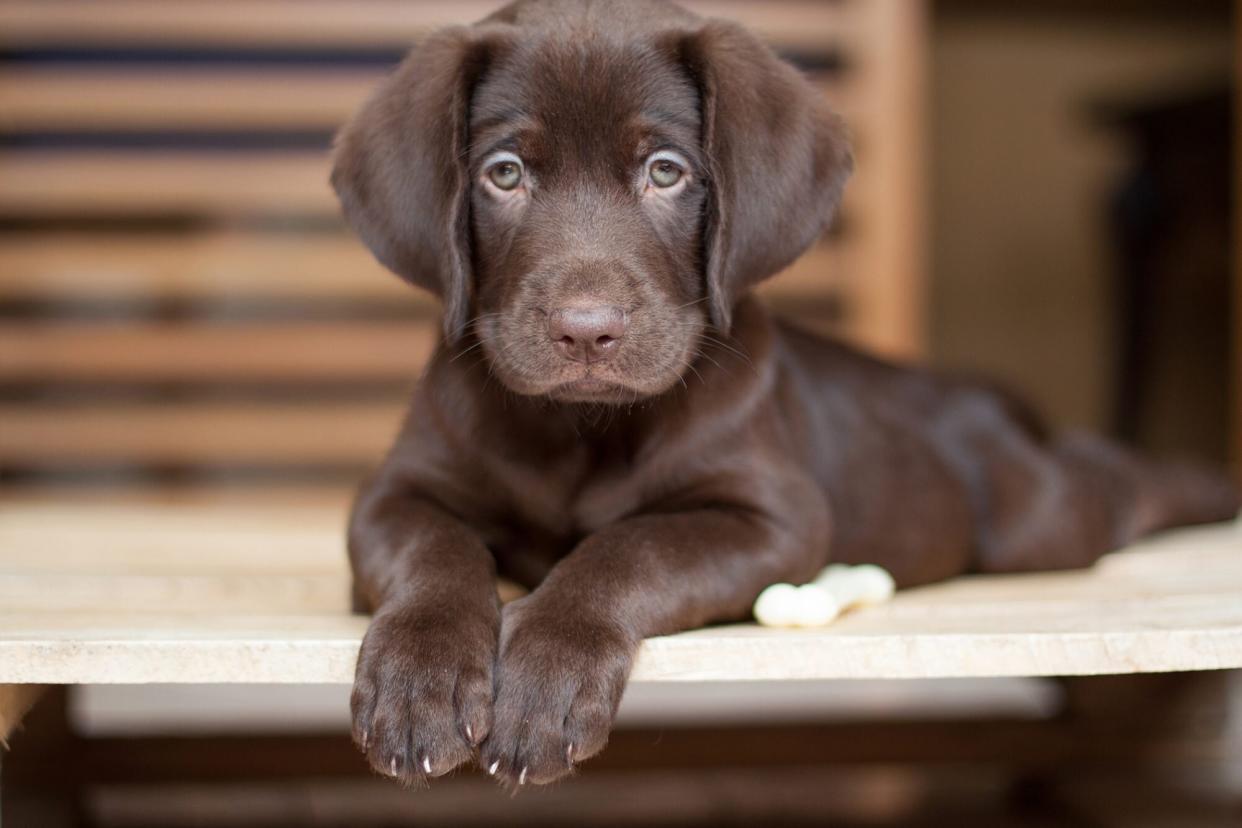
(187, 710)
(120, 534)
(1170, 603)
(127, 647)
(282, 593)
(198, 433)
(209, 265)
(805, 25)
(125, 97)
(165, 570)
(204, 352)
(97, 182)
(56, 97)
(889, 300)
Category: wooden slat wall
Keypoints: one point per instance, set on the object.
(177, 291)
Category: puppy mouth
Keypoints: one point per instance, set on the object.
(588, 388)
(650, 360)
(602, 383)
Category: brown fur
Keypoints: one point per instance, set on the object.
(661, 482)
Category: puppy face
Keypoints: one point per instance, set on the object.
(589, 187)
(587, 194)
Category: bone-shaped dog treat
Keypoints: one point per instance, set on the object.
(836, 589)
(857, 586)
(786, 605)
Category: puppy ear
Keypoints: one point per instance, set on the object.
(399, 170)
(778, 160)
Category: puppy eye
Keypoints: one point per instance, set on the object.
(506, 175)
(664, 173)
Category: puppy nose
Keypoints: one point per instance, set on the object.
(587, 333)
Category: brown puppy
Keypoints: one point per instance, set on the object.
(593, 188)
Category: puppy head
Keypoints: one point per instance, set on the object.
(590, 187)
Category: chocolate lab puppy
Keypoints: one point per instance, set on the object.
(593, 189)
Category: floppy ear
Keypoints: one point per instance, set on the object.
(400, 172)
(778, 160)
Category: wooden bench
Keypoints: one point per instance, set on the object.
(206, 595)
(201, 593)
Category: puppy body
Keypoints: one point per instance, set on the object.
(593, 188)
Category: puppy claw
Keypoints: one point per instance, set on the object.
(469, 734)
(569, 753)
(522, 777)
(366, 740)
(491, 769)
(427, 765)
(392, 767)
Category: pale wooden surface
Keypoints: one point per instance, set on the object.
(104, 593)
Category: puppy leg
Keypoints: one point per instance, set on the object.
(567, 648)
(1065, 504)
(422, 698)
(1149, 495)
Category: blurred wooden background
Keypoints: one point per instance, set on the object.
(180, 304)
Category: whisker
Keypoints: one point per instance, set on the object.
(478, 344)
(713, 362)
(693, 302)
(727, 347)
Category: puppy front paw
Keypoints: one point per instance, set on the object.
(422, 698)
(560, 680)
